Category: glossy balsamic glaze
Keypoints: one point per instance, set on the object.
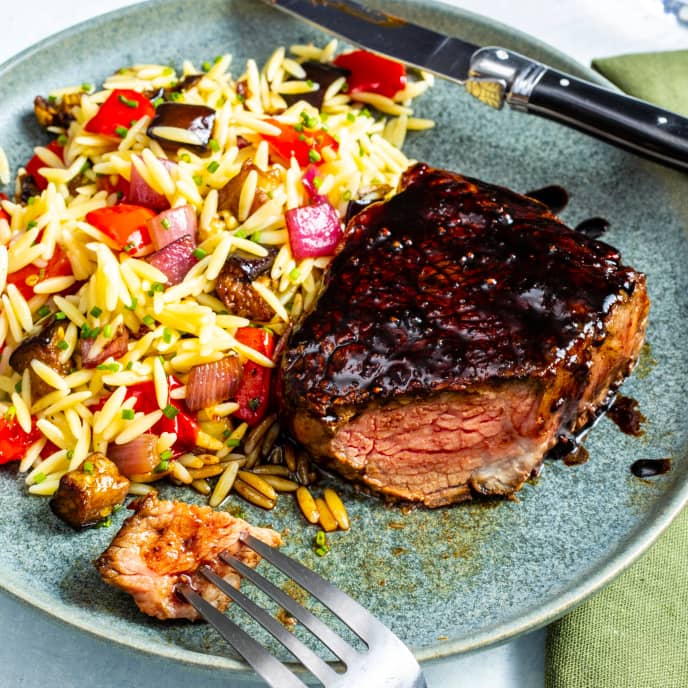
(626, 415)
(451, 282)
(648, 468)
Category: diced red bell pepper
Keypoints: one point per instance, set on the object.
(372, 73)
(253, 395)
(13, 440)
(306, 145)
(4, 215)
(122, 107)
(26, 278)
(182, 423)
(126, 225)
(36, 163)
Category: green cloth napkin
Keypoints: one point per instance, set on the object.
(634, 633)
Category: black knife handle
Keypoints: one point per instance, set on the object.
(627, 122)
(497, 75)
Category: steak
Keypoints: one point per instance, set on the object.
(462, 331)
(164, 543)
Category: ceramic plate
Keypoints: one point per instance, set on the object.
(454, 579)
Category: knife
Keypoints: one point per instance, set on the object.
(496, 75)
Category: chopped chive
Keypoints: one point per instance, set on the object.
(347, 195)
(62, 345)
(254, 403)
(317, 182)
(170, 411)
(314, 156)
(17, 387)
(310, 83)
(175, 96)
(232, 442)
(70, 454)
(240, 234)
(129, 366)
(321, 538)
(32, 224)
(133, 304)
(61, 140)
(110, 367)
(88, 467)
(213, 166)
(166, 224)
(52, 99)
(298, 127)
(198, 179)
(128, 414)
(129, 247)
(214, 145)
(85, 331)
(255, 237)
(39, 478)
(158, 287)
(10, 414)
(161, 467)
(157, 102)
(96, 311)
(350, 117)
(32, 200)
(166, 336)
(43, 311)
(129, 102)
(206, 66)
(148, 321)
(303, 137)
(199, 253)
(121, 132)
(105, 523)
(166, 455)
(94, 332)
(185, 157)
(60, 316)
(294, 275)
(107, 331)
(116, 508)
(217, 58)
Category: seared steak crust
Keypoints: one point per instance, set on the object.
(464, 295)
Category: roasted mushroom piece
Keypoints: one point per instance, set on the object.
(44, 346)
(56, 113)
(233, 285)
(88, 494)
(230, 193)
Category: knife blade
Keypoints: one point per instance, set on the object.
(496, 75)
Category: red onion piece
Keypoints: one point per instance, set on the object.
(172, 224)
(175, 259)
(308, 181)
(136, 457)
(140, 193)
(212, 383)
(115, 347)
(314, 230)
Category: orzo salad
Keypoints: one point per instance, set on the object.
(155, 254)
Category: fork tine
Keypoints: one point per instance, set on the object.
(304, 654)
(319, 629)
(272, 670)
(356, 617)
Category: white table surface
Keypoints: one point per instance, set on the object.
(36, 649)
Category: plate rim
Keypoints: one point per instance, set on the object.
(602, 574)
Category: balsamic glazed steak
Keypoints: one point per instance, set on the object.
(462, 330)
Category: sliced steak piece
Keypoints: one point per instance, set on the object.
(164, 543)
(462, 329)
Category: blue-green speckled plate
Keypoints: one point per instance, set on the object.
(453, 579)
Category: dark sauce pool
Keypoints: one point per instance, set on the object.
(649, 468)
(624, 412)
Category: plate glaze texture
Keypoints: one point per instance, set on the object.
(448, 580)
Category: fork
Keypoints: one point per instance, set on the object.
(386, 663)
